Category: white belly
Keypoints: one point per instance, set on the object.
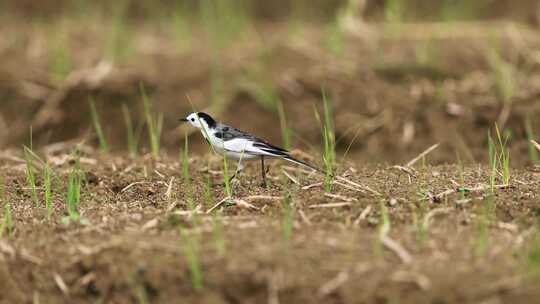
(234, 155)
(235, 149)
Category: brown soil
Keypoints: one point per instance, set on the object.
(132, 249)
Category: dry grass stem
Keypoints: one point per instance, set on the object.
(151, 224)
(334, 284)
(331, 205)
(358, 186)
(292, 178)
(480, 188)
(431, 214)
(535, 144)
(420, 280)
(61, 284)
(363, 215)
(341, 197)
(422, 155)
(304, 217)
(312, 186)
(242, 203)
(409, 170)
(399, 250)
(126, 188)
(262, 198)
(168, 193)
(217, 205)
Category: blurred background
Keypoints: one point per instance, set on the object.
(400, 75)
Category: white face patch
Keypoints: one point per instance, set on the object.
(194, 120)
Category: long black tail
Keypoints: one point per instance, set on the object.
(302, 163)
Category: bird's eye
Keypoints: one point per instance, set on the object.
(193, 119)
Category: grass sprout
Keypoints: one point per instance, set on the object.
(461, 170)
(73, 193)
(504, 156)
(533, 152)
(482, 236)
(533, 256)
(499, 158)
(486, 216)
(192, 253)
(103, 144)
(6, 224)
(329, 153)
(154, 123)
(384, 228)
(288, 217)
(31, 175)
(217, 232)
(421, 227)
(133, 135)
(186, 175)
(48, 191)
(492, 157)
(185, 160)
(208, 193)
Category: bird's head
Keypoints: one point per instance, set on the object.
(200, 120)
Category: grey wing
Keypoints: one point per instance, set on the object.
(227, 133)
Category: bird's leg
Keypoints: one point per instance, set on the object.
(263, 172)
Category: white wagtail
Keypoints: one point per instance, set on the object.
(238, 145)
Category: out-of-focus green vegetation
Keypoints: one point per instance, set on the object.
(229, 12)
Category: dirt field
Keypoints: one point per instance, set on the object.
(450, 227)
(439, 246)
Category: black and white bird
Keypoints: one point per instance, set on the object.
(238, 145)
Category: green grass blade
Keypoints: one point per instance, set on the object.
(154, 123)
(288, 217)
(31, 176)
(329, 156)
(103, 144)
(533, 153)
(132, 138)
(191, 252)
(48, 191)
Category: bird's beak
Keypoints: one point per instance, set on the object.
(182, 120)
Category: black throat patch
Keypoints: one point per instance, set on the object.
(209, 120)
